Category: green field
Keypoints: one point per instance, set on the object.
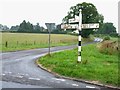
(21, 41)
(97, 67)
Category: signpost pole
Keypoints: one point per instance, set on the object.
(79, 36)
(49, 41)
(49, 27)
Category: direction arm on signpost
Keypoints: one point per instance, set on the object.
(88, 26)
(82, 26)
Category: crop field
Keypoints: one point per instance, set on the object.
(21, 41)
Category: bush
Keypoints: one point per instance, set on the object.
(108, 47)
(96, 35)
(106, 38)
(114, 34)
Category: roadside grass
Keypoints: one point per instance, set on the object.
(114, 38)
(95, 66)
(22, 41)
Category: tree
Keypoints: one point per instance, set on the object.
(89, 15)
(37, 28)
(25, 27)
(107, 28)
(42, 28)
(30, 27)
(4, 27)
(14, 27)
(22, 27)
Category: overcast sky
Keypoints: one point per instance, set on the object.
(13, 12)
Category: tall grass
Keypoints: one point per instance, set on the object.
(108, 47)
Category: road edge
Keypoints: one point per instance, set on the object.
(74, 79)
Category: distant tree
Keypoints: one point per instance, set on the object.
(25, 27)
(14, 27)
(107, 28)
(42, 28)
(58, 27)
(1, 27)
(89, 14)
(4, 27)
(29, 27)
(37, 28)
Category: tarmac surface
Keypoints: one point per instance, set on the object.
(19, 70)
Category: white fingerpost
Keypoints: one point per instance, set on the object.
(79, 36)
(72, 25)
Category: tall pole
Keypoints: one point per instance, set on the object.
(49, 41)
(79, 36)
(49, 27)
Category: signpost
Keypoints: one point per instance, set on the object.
(79, 27)
(49, 27)
(88, 26)
(69, 26)
(84, 26)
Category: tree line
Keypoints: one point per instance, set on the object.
(28, 27)
(23, 27)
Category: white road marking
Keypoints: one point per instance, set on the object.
(90, 87)
(75, 85)
(17, 76)
(9, 72)
(18, 73)
(20, 76)
(34, 78)
(59, 79)
(3, 74)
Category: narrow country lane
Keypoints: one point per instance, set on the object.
(19, 70)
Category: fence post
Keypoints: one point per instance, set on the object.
(6, 44)
(26, 42)
(34, 42)
(17, 43)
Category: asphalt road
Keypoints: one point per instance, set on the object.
(20, 71)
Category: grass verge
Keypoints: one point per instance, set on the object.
(95, 66)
